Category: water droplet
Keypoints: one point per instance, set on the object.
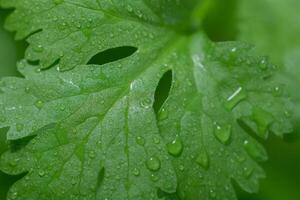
(14, 195)
(248, 171)
(235, 98)
(153, 164)
(154, 178)
(129, 8)
(146, 103)
(62, 107)
(14, 162)
(175, 147)
(42, 173)
(263, 64)
(163, 114)
(27, 89)
(39, 104)
(203, 159)
(223, 133)
(92, 154)
(181, 167)
(2, 119)
(39, 48)
(156, 140)
(255, 151)
(136, 172)
(287, 113)
(263, 119)
(212, 193)
(19, 127)
(140, 140)
(277, 91)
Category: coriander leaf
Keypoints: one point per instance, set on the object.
(273, 26)
(74, 31)
(98, 121)
(96, 134)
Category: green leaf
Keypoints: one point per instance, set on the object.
(96, 134)
(94, 25)
(272, 25)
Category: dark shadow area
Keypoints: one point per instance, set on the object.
(17, 145)
(249, 130)
(10, 50)
(112, 55)
(221, 22)
(162, 90)
(101, 176)
(167, 196)
(6, 181)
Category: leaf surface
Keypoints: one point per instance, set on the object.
(96, 134)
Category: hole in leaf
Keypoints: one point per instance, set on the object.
(112, 55)
(162, 90)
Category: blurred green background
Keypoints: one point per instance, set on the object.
(274, 27)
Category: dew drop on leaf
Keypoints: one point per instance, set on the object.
(181, 167)
(235, 98)
(140, 140)
(203, 160)
(263, 64)
(62, 107)
(255, 151)
(27, 89)
(19, 127)
(129, 8)
(223, 133)
(154, 178)
(247, 172)
(92, 154)
(175, 147)
(163, 114)
(153, 164)
(156, 140)
(277, 91)
(2, 119)
(146, 103)
(39, 104)
(212, 193)
(42, 173)
(263, 120)
(136, 172)
(14, 195)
